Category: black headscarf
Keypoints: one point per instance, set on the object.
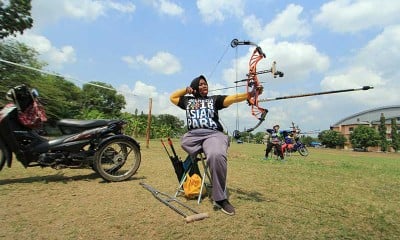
(195, 85)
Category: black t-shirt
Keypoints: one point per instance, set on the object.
(202, 112)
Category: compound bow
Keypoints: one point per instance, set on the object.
(254, 87)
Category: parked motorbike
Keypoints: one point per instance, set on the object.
(96, 144)
(293, 143)
(299, 147)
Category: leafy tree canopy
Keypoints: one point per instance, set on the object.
(363, 137)
(12, 75)
(331, 138)
(104, 98)
(395, 134)
(382, 133)
(15, 17)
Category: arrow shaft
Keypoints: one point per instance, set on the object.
(314, 94)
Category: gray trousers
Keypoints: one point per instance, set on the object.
(215, 145)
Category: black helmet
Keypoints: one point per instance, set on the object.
(21, 96)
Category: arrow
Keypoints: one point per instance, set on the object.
(314, 94)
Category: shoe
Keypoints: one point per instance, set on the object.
(265, 158)
(225, 207)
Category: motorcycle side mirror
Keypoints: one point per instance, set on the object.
(10, 95)
(35, 93)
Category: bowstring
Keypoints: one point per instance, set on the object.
(236, 88)
(236, 79)
(218, 62)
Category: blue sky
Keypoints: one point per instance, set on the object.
(149, 48)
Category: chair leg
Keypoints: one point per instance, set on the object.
(206, 173)
(180, 188)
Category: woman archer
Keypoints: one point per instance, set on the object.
(205, 132)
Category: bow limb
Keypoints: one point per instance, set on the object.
(254, 88)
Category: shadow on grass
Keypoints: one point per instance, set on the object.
(247, 195)
(60, 177)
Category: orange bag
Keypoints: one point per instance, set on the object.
(192, 186)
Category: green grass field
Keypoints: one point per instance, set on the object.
(331, 194)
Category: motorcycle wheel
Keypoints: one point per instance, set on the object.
(117, 160)
(303, 151)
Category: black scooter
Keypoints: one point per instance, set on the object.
(96, 144)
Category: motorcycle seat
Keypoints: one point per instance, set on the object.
(84, 123)
(71, 126)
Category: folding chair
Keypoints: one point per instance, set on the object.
(191, 166)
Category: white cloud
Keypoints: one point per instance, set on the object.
(120, 7)
(168, 7)
(382, 54)
(129, 60)
(139, 97)
(352, 16)
(46, 12)
(296, 60)
(162, 62)
(286, 24)
(141, 89)
(217, 11)
(61, 56)
(315, 104)
(376, 64)
(55, 57)
(85, 9)
(356, 77)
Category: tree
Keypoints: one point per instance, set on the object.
(382, 133)
(137, 125)
(395, 135)
(331, 138)
(13, 75)
(62, 98)
(14, 18)
(364, 137)
(103, 98)
(306, 140)
(176, 125)
(258, 137)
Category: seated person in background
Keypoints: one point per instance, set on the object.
(288, 143)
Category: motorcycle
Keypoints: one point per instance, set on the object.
(292, 145)
(299, 147)
(96, 144)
